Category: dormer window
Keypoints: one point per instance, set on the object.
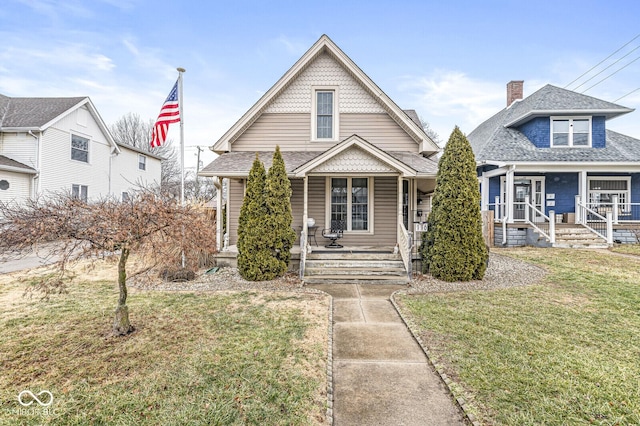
(324, 115)
(570, 132)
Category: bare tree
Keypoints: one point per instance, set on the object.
(132, 130)
(154, 227)
(430, 132)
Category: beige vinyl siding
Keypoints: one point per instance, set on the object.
(293, 133)
(297, 206)
(19, 187)
(236, 195)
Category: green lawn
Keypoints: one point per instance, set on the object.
(628, 249)
(217, 358)
(563, 352)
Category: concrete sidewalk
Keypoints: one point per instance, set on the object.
(381, 376)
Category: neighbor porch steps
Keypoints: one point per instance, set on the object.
(578, 237)
(348, 267)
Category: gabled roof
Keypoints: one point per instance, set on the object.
(37, 114)
(498, 139)
(299, 163)
(326, 45)
(10, 165)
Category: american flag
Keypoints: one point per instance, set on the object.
(169, 113)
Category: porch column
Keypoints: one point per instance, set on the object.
(582, 186)
(305, 213)
(217, 182)
(484, 192)
(399, 208)
(509, 193)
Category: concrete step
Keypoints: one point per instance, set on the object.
(356, 279)
(338, 255)
(580, 245)
(578, 237)
(355, 271)
(349, 263)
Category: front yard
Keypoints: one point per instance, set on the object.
(195, 358)
(565, 351)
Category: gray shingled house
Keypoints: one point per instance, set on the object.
(553, 174)
(61, 144)
(357, 163)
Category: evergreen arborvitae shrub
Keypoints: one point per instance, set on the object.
(453, 248)
(279, 217)
(255, 260)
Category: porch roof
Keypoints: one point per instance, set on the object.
(11, 165)
(238, 163)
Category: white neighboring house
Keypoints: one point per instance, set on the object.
(62, 144)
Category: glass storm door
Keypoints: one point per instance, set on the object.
(521, 194)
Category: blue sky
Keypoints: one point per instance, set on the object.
(449, 60)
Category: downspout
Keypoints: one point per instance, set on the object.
(113, 154)
(36, 187)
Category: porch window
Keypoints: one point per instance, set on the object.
(602, 190)
(571, 132)
(350, 202)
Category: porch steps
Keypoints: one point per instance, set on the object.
(345, 267)
(578, 237)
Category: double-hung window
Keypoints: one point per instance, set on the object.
(324, 114)
(79, 148)
(142, 162)
(350, 202)
(80, 191)
(570, 132)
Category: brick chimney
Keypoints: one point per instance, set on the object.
(514, 91)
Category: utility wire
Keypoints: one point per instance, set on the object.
(598, 64)
(633, 91)
(604, 69)
(613, 73)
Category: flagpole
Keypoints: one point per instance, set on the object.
(180, 106)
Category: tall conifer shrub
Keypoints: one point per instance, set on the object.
(453, 248)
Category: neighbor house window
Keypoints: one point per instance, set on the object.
(324, 114)
(602, 189)
(570, 132)
(142, 162)
(125, 196)
(350, 203)
(80, 191)
(79, 148)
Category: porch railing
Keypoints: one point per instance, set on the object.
(545, 225)
(404, 247)
(594, 221)
(620, 212)
(500, 216)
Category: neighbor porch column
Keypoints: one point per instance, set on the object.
(217, 182)
(509, 193)
(305, 213)
(399, 208)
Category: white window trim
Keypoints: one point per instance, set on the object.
(543, 188)
(553, 118)
(80, 135)
(370, 203)
(627, 204)
(140, 156)
(80, 187)
(336, 115)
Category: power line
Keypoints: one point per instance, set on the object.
(633, 91)
(610, 75)
(606, 68)
(598, 64)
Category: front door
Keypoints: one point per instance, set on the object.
(521, 194)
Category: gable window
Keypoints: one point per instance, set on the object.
(570, 132)
(324, 114)
(142, 162)
(350, 201)
(79, 148)
(602, 189)
(80, 191)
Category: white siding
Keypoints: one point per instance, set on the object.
(20, 147)
(19, 186)
(126, 175)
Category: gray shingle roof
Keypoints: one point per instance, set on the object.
(238, 163)
(492, 141)
(8, 162)
(33, 112)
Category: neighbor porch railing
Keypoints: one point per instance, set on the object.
(545, 225)
(594, 221)
(404, 247)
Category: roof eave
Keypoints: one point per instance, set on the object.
(18, 170)
(608, 113)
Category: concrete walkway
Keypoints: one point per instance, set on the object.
(381, 376)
